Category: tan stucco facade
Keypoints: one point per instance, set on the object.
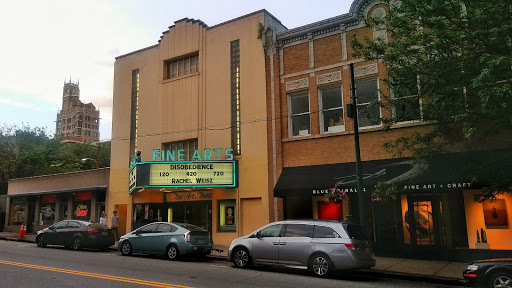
(196, 106)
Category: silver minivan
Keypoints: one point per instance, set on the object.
(323, 246)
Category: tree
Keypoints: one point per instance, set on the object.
(27, 152)
(456, 56)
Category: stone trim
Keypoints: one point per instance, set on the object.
(365, 70)
(328, 78)
(297, 84)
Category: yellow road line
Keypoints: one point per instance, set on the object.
(101, 276)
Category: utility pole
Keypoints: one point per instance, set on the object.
(352, 113)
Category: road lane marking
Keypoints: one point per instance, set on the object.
(94, 275)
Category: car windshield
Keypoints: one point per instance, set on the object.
(191, 227)
(355, 232)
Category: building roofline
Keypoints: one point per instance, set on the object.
(59, 174)
(136, 51)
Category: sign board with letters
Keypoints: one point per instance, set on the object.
(184, 174)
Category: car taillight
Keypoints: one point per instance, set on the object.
(352, 246)
(187, 237)
(92, 230)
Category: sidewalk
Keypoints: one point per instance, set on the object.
(409, 268)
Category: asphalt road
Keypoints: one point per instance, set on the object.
(26, 265)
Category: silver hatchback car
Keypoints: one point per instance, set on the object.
(322, 246)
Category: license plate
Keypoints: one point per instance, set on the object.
(103, 233)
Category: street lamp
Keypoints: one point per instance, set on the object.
(85, 160)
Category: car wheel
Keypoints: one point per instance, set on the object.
(76, 243)
(126, 248)
(320, 265)
(501, 280)
(241, 258)
(40, 241)
(172, 252)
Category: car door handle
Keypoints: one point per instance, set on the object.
(167, 237)
(275, 243)
(149, 238)
(282, 243)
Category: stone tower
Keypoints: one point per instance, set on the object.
(77, 121)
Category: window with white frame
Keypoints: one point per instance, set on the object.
(405, 99)
(331, 109)
(368, 113)
(299, 115)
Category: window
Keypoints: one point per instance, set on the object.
(94, 134)
(95, 120)
(271, 231)
(325, 232)
(236, 141)
(298, 230)
(58, 123)
(166, 228)
(69, 120)
(299, 119)
(405, 98)
(150, 228)
(134, 116)
(331, 109)
(73, 224)
(227, 216)
(182, 66)
(180, 151)
(367, 94)
(60, 225)
(87, 118)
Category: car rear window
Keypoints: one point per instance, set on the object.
(191, 227)
(325, 232)
(355, 232)
(96, 225)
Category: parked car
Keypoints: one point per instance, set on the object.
(171, 239)
(76, 234)
(323, 246)
(492, 273)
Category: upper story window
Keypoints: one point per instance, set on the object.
(405, 99)
(95, 120)
(69, 120)
(367, 92)
(182, 66)
(331, 109)
(298, 114)
(87, 118)
(188, 148)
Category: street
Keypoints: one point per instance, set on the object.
(26, 265)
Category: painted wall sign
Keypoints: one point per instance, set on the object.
(192, 174)
(204, 155)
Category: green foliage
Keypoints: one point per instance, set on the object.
(386, 192)
(27, 152)
(458, 53)
(335, 195)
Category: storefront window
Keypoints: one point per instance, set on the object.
(227, 216)
(144, 213)
(17, 213)
(82, 206)
(47, 209)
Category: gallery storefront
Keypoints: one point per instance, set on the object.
(445, 223)
(39, 202)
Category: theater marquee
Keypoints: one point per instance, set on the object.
(186, 174)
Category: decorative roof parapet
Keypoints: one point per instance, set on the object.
(351, 18)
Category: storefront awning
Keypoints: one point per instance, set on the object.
(84, 189)
(446, 172)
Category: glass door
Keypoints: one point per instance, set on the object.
(422, 220)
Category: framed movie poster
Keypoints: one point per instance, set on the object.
(495, 213)
(227, 215)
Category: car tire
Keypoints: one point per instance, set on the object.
(40, 241)
(501, 279)
(172, 252)
(126, 248)
(320, 265)
(241, 258)
(76, 243)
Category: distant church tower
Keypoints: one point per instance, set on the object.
(77, 122)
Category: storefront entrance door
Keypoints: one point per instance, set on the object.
(197, 213)
(422, 221)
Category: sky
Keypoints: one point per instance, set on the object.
(46, 42)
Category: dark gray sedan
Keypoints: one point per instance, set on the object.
(170, 239)
(76, 234)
